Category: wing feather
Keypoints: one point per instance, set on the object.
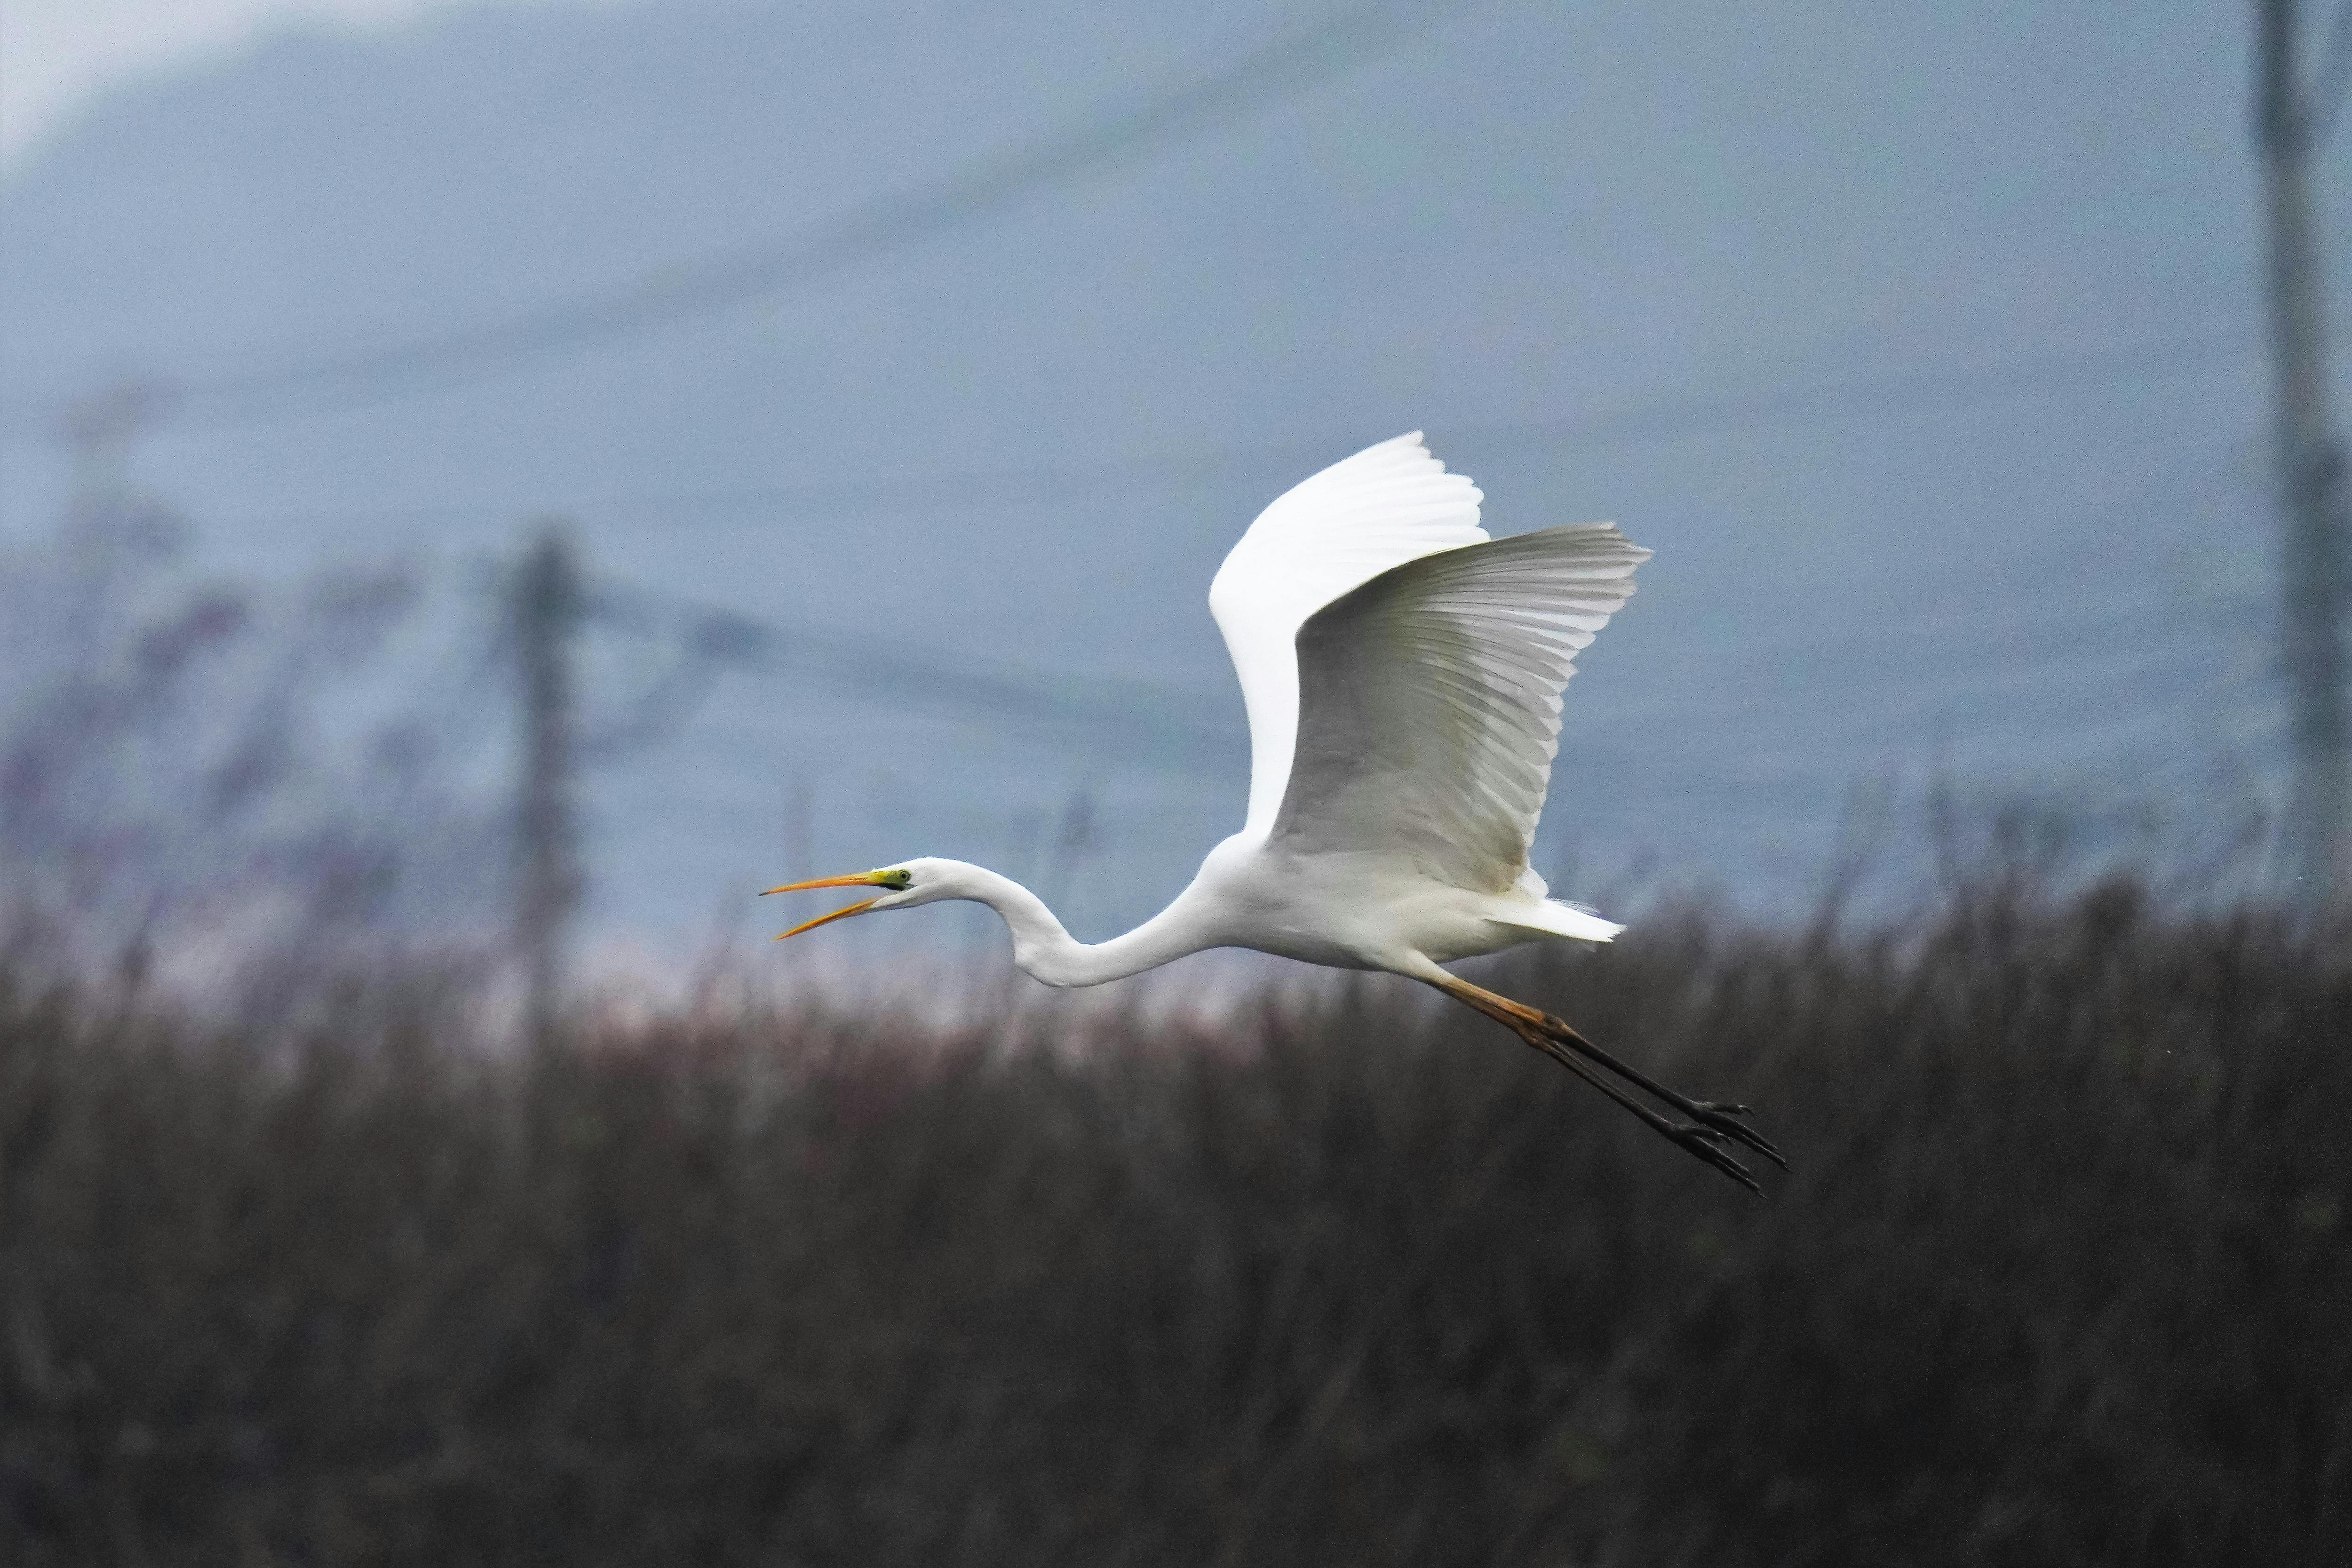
(1429, 701)
(1357, 519)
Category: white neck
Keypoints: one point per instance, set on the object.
(1046, 951)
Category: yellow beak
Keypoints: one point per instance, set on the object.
(861, 879)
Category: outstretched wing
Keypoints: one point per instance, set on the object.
(1429, 701)
(1359, 517)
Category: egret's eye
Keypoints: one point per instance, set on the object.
(901, 881)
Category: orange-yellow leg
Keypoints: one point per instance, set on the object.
(1711, 1126)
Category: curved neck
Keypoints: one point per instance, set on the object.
(1045, 950)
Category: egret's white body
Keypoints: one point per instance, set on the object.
(1403, 673)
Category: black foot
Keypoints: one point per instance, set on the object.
(1707, 1145)
(1705, 1137)
(1724, 1119)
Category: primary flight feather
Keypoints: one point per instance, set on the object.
(1403, 674)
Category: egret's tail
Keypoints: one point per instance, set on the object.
(1554, 918)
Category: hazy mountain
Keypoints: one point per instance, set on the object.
(1841, 310)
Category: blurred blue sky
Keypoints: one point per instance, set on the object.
(1921, 343)
(62, 55)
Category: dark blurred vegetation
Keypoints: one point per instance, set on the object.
(2061, 1275)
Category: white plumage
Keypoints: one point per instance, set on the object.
(1403, 674)
(1385, 505)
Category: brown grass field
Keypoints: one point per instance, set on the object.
(2063, 1273)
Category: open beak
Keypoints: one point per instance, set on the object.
(862, 879)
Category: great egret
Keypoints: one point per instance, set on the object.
(1403, 673)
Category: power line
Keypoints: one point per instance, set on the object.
(1666, 420)
(1148, 722)
(1295, 60)
(1170, 728)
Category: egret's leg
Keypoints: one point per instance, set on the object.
(1724, 1119)
(1711, 1124)
(1720, 1117)
(1704, 1142)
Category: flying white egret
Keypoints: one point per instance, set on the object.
(1403, 673)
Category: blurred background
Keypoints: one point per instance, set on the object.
(485, 486)
(900, 374)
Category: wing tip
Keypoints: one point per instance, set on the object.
(1410, 447)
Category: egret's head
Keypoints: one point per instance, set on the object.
(903, 886)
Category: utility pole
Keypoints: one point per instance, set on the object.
(2311, 471)
(547, 608)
